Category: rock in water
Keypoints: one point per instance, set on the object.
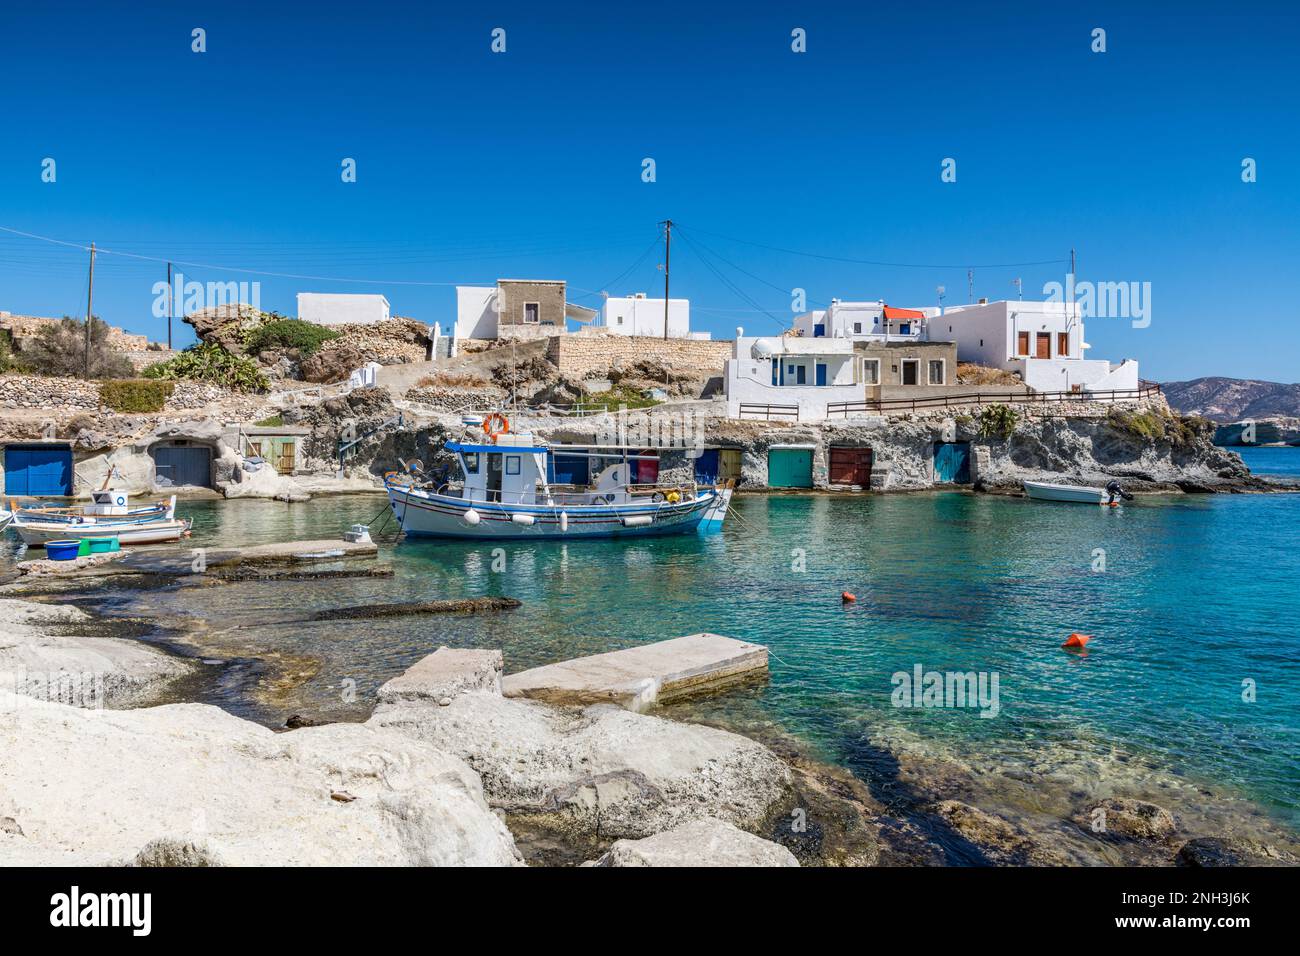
(699, 843)
(1123, 817)
(461, 605)
(189, 783)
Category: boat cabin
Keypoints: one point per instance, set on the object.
(511, 472)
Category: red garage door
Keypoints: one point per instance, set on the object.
(850, 466)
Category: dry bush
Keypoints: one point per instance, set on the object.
(968, 373)
(452, 380)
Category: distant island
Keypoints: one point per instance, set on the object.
(1274, 407)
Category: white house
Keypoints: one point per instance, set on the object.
(638, 315)
(865, 321)
(476, 313)
(790, 370)
(327, 308)
(1043, 341)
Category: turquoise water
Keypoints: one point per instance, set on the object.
(1194, 599)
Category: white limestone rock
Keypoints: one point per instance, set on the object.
(698, 843)
(190, 784)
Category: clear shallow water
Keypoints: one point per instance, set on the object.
(1194, 599)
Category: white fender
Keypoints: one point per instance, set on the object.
(470, 517)
(637, 521)
(522, 519)
(564, 521)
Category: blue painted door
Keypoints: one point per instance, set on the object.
(819, 331)
(184, 464)
(821, 373)
(789, 468)
(952, 462)
(706, 467)
(38, 470)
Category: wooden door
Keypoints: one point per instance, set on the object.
(1043, 345)
(850, 466)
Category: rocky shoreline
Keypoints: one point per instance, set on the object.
(445, 770)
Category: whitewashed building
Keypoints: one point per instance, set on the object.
(639, 315)
(865, 321)
(1043, 341)
(327, 308)
(788, 370)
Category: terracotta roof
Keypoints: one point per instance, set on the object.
(894, 313)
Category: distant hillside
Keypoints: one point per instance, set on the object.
(1232, 399)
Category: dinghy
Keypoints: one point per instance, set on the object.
(109, 514)
(1077, 494)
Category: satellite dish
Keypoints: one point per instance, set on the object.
(763, 349)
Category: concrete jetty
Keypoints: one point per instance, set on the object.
(639, 677)
(186, 559)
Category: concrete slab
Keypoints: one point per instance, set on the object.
(639, 677)
(443, 675)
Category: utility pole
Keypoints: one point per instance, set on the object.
(90, 298)
(1071, 261)
(668, 243)
(169, 306)
(970, 285)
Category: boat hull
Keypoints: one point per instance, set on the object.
(427, 514)
(1074, 494)
(149, 532)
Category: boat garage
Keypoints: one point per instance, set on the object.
(38, 470)
(790, 466)
(850, 465)
(182, 463)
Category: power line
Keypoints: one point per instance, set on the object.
(873, 262)
(729, 284)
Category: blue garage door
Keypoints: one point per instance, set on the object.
(184, 464)
(952, 462)
(38, 470)
(706, 467)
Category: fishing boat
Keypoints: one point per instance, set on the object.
(5, 518)
(109, 514)
(503, 492)
(1077, 494)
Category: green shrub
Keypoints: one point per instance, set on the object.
(306, 337)
(134, 395)
(998, 421)
(1156, 426)
(275, 421)
(209, 362)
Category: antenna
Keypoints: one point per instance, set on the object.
(970, 285)
(1020, 287)
(941, 291)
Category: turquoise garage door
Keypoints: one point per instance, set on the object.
(789, 468)
(38, 470)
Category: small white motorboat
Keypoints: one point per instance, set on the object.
(1077, 494)
(5, 518)
(108, 515)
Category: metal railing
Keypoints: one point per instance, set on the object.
(844, 409)
(769, 412)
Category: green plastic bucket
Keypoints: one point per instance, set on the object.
(102, 545)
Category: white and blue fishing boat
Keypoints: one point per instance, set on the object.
(504, 493)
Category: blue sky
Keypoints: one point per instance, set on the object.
(473, 165)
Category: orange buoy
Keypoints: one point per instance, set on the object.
(1077, 640)
(847, 598)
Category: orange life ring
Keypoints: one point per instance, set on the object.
(496, 424)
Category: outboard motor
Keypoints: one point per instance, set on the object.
(1114, 488)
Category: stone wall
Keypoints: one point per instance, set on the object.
(584, 356)
(74, 394)
(513, 294)
(27, 326)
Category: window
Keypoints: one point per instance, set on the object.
(936, 371)
(857, 328)
(905, 328)
(532, 312)
(620, 320)
(871, 371)
(512, 464)
(910, 371)
(1043, 345)
(1022, 343)
(1063, 343)
(471, 463)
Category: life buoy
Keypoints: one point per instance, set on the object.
(496, 424)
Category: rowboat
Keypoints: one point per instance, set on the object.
(5, 518)
(108, 515)
(1078, 494)
(504, 493)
